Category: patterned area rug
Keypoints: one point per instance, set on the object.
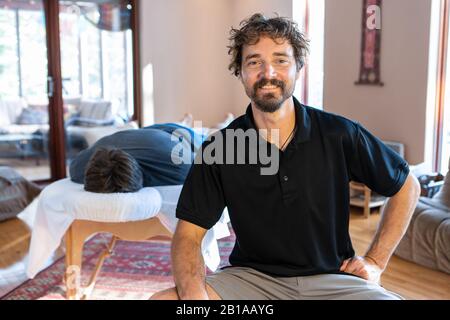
(136, 270)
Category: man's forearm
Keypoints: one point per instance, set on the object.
(188, 269)
(394, 222)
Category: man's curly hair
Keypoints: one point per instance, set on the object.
(276, 28)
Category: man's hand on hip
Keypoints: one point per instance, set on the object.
(363, 267)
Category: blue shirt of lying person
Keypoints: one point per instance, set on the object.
(164, 152)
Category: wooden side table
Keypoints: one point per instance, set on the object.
(363, 198)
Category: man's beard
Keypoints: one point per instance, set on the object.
(269, 102)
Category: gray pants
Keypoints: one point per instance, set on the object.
(241, 283)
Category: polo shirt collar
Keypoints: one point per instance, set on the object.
(302, 121)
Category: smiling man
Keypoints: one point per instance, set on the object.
(292, 227)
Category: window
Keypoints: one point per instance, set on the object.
(9, 60)
(438, 104)
(96, 63)
(310, 16)
(69, 73)
(23, 58)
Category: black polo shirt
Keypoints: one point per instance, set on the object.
(295, 222)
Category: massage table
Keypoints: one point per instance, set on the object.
(66, 211)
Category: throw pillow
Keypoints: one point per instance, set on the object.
(16, 193)
(96, 110)
(32, 116)
(443, 195)
(10, 110)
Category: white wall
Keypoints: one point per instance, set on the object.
(186, 41)
(397, 110)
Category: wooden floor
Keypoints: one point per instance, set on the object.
(30, 168)
(408, 279)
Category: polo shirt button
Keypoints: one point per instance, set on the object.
(285, 178)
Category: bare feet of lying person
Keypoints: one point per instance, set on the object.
(228, 119)
(223, 124)
(187, 121)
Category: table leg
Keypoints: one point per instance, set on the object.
(74, 251)
(367, 195)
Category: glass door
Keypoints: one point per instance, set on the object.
(24, 106)
(97, 70)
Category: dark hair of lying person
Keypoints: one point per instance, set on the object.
(112, 170)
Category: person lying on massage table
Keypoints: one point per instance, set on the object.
(126, 161)
(123, 162)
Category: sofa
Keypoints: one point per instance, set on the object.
(18, 117)
(24, 127)
(427, 239)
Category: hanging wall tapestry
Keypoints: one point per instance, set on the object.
(369, 72)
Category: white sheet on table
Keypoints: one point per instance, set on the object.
(210, 249)
(64, 201)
